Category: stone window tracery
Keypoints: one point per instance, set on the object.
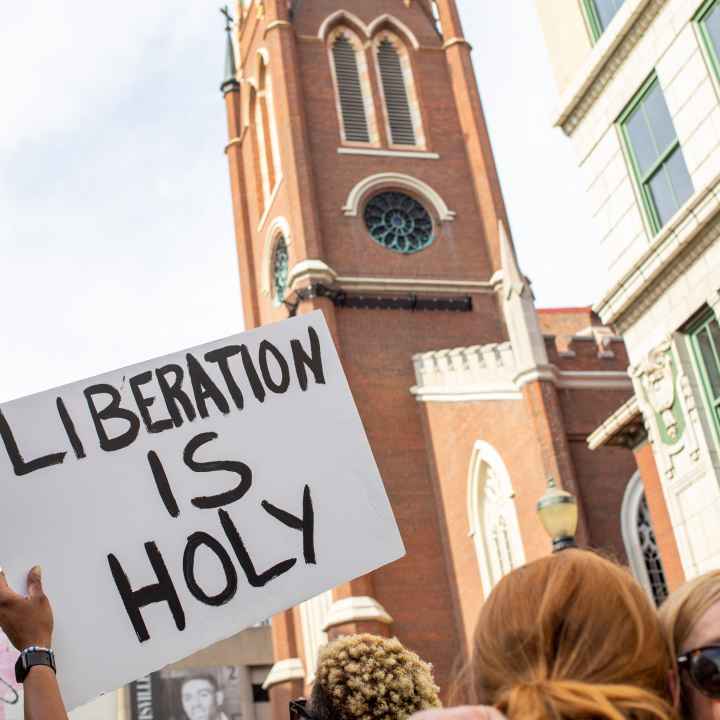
(398, 222)
(280, 270)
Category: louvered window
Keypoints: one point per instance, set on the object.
(354, 119)
(402, 130)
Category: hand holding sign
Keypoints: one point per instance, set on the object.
(26, 620)
(174, 503)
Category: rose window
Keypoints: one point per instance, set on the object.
(398, 222)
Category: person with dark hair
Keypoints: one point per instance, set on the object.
(368, 677)
(201, 698)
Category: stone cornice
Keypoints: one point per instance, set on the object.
(626, 413)
(674, 249)
(285, 671)
(356, 609)
(489, 372)
(609, 53)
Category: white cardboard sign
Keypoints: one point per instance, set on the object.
(175, 502)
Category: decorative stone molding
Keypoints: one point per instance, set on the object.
(490, 372)
(374, 152)
(665, 397)
(621, 428)
(369, 30)
(675, 249)
(657, 376)
(311, 271)
(606, 58)
(285, 671)
(356, 609)
(390, 180)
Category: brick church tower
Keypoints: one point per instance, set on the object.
(364, 185)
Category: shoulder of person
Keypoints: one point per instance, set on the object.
(465, 712)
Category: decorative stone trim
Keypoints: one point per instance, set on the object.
(356, 609)
(489, 372)
(396, 180)
(681, 242)
(388, 153)
(276, 24)
(285, 671)
(606, 58)
(456, 41)
(625, 414)
(420, 285)
(369, 30)
(311, 271)
(270, 203)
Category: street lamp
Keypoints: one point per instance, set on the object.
(557, 510)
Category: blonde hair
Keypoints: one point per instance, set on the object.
(684, 607)
(367, 677)
(570, 636)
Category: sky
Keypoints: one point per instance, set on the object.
(116, 234)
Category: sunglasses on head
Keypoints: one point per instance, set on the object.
(298, 710)
(703, 668)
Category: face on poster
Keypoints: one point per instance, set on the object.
(175, 502)
(216, 693)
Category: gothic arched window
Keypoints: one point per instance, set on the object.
(266, 140)
(640, 542)
(280, 270)
(493, 518)
(401, 104)
(351, 86)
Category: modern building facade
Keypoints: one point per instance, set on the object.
(364, 185)
(639, 84)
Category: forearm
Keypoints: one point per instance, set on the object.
(41, 695)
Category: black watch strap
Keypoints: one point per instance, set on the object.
(31, 656)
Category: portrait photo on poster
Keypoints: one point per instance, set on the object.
(214, 693)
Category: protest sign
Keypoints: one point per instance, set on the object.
(175, 502)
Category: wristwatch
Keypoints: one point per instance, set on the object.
(31, 656)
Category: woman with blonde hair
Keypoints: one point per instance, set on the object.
(368, 677)
(569, 636)
(690, 618)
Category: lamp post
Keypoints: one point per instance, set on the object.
(558, 513)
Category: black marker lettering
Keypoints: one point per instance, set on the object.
(112, 410)
(303, 360)
(216, 501)
(70, 431)
(244, 559)
(277, 387)
(144, 403)
(173, 394)
(135, 600)
(252, 376)
(205, 388)
(221, 356)
(20, 466)
(306, 525)
(194, 541)
(163, 485)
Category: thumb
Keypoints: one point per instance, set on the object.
(34, 582)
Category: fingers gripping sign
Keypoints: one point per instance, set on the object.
(26, 620)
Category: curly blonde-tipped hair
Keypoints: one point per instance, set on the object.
(367, 677)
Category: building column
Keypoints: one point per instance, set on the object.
(286, 680)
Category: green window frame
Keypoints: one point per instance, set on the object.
(708, 25)
(599, 17)
(705, 341)
(658, 164)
